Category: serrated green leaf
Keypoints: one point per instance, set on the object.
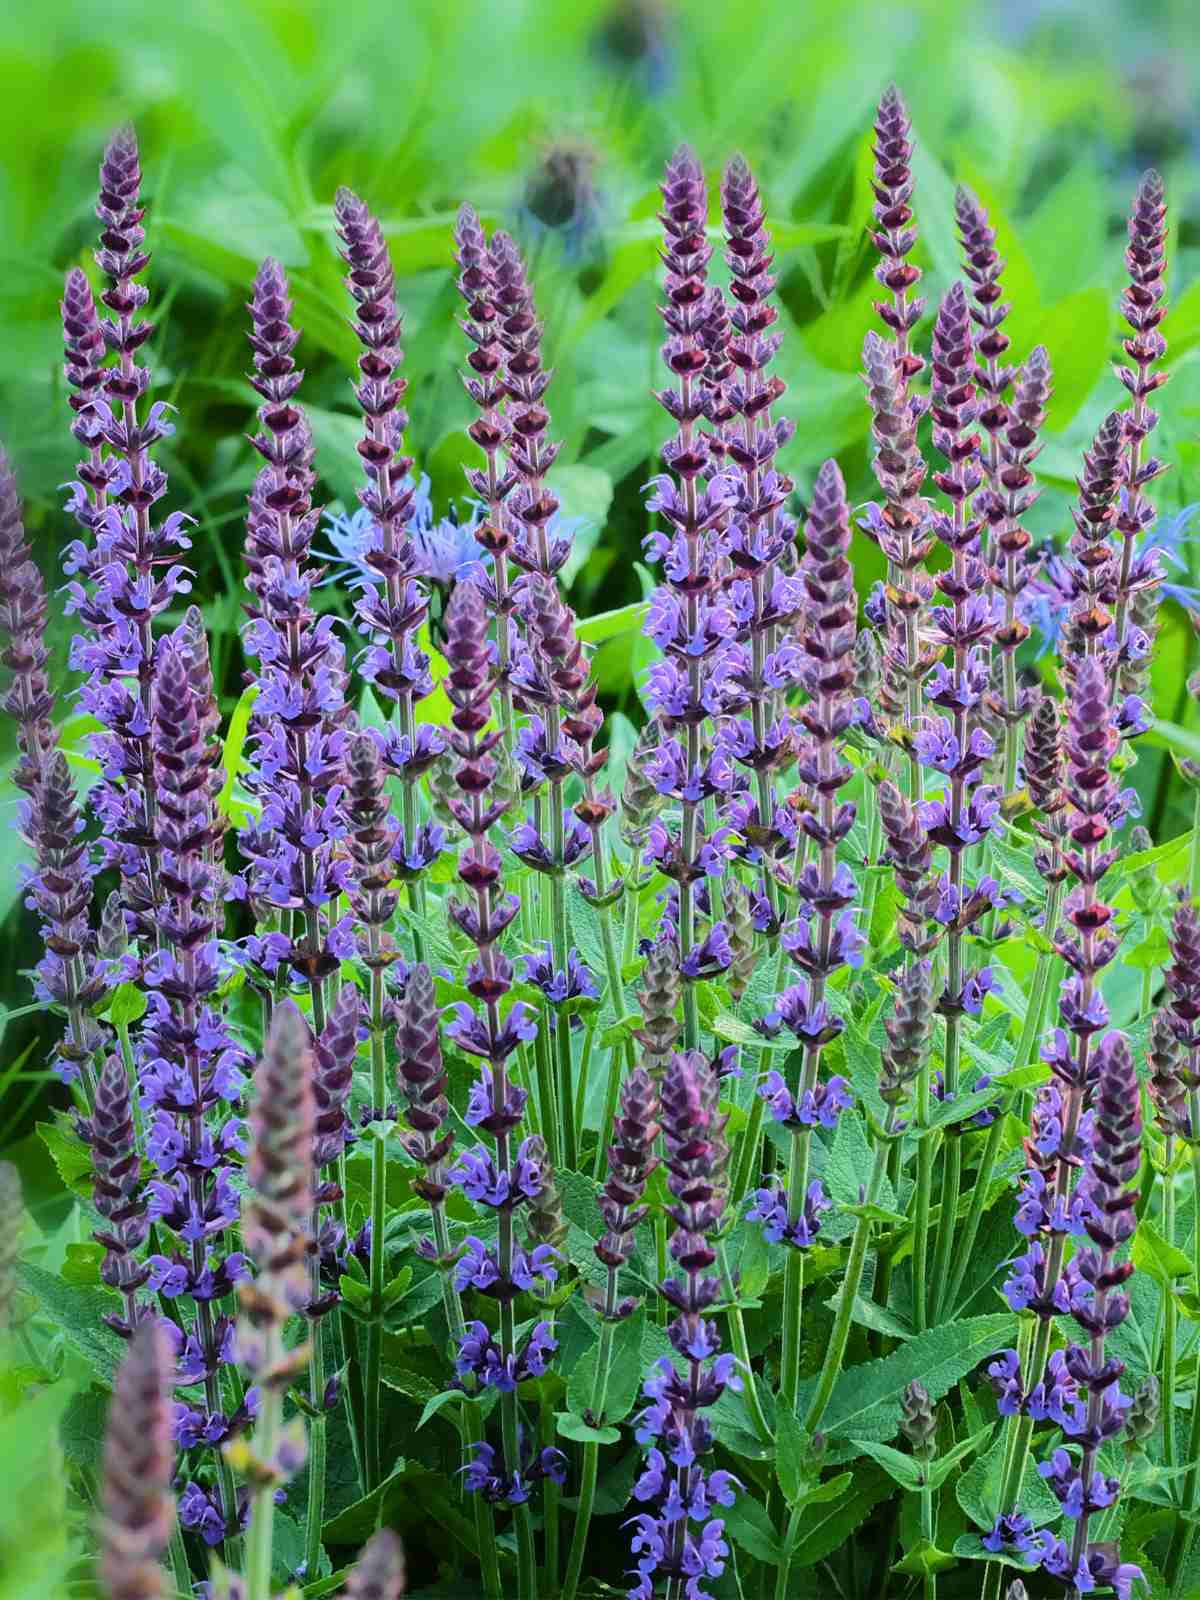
(829, 1528)
(1151, 1253)
(71, 1157)
(749, 1528)
(866, 1400)
(79, 1314)
(902, 1469)
(127, 1006)
(792, 1446)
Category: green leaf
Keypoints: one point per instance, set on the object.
(924, 1558)
(437, 1403)
(978, 1490)
(1151, 1253)
(866, 1400)
(791, 1455)
(902, 1469)
(607, 624)
(358, 1522)
(1075, 333)
(128, 1005)
(79, 1314)
(574, 1427)
(749, 1527)
(945, 1464)
(828, 1529)
(70, 1155)
(232, 761)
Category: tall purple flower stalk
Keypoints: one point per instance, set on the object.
(490, 430)
(1010, 494)
(126, 568)
(60, 887)
(508, 1178)
(191, 1070)
(824, 938)
(277, 1233)
(983, 266)
(760, 532)
(394, 607)
(1051, 1208)
(689, 619)
(297, 743)
(681, 1541)
(138, 1510)
(954, 746)
(1143, 310)
(118, 1193)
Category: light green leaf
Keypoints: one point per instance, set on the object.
(574, 1427)
(1151, 1253)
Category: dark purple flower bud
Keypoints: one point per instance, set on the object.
(139, 1461)
(278, 1209)
(918, 1422)
(27, 698)
(333, 1076)
(659, 1000)
(117, 1193)
(909, 1030)
(895, 235)
(421, 1079)
(1182, 980)
(631, 1160)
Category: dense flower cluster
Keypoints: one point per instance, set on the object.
(268, 1038)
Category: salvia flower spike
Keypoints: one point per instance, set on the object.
(1143, 309)
(277, 1231)
(670, 1548)
(393, 607)
(294, 871)
(126, 571)
(138, 1512)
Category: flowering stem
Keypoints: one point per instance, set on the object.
(1181, 1541)
(259, 1539)
(924, 1196)
(741, 1349)
(835, 1351)
(1170, 1310)
(591, 1453)
(793, 1269)
(374, 1350)
(1034, 1019)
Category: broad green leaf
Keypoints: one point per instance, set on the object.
(925, 1558)
(792, 1447)
(902, 1469)
(1151, 1253)
(232, 761)
(78, 1313)
(749, 1528)
(866, 1400)
(574, 1427)
(827, 1528)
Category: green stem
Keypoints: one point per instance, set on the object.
(1181, 1539)
(1035, 1017)
(317, 1443)
(793, 1272)
(180, 1568)
(526, 1559)
(1170, 1312)
(924, 1197)
(1194, 858)
(835, 1350)
(591, 1459)
(547, 1094)
(374, 1351)
(741, 1349)
(260, 1536)
(929, 1579)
